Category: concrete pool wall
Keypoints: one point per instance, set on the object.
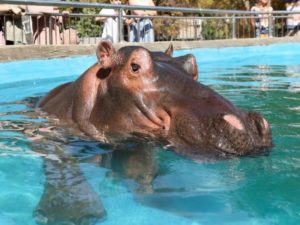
(13, 53)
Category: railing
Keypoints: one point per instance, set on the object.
(171, 23)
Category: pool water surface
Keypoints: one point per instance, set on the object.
(249, 190)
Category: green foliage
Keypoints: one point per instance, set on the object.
(86, 26)
(163, 34)
(215, 29)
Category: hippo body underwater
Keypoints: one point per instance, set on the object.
(136, 92)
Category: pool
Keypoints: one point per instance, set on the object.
(250, 190)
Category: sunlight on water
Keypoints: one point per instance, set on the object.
(158, 186)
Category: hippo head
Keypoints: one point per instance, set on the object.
(156, 95)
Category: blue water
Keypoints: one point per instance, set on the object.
(254, 190)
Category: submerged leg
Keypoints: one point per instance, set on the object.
(136, 163)
(68, 198)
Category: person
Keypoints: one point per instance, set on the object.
(141, 29)
(11, 28)
(2, 38)
(261, 21)
(110, 29)
(293, 20)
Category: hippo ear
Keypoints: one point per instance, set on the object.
(169, 50)
(189, 64)
(104, 53)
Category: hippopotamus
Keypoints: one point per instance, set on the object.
(134, 92)
(145, 98)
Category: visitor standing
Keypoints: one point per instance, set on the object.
(261, 22)
(293, 20)
(110, 28)
(141, 29)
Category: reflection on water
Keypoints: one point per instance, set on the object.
(63, 176)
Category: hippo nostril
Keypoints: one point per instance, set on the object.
(233, 121)
(261, 126)
(266, 124)
(260, 123)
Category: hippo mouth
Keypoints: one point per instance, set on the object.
(158, 118)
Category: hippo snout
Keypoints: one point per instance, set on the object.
(249, 134)
(243, 133)
(254, 126)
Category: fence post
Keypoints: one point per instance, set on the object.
(195, 29)
(139, 30)
(270, 17)
(233, 27)
(50, 32)
(120, 24)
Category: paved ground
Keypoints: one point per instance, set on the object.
(12, 53)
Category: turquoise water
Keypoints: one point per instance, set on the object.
(251, 190)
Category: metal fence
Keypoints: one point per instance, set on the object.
(170, 23)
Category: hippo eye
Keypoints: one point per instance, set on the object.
(135, 67)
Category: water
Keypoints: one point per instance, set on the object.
(250, 190)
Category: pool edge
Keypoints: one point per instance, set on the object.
(14, 53)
